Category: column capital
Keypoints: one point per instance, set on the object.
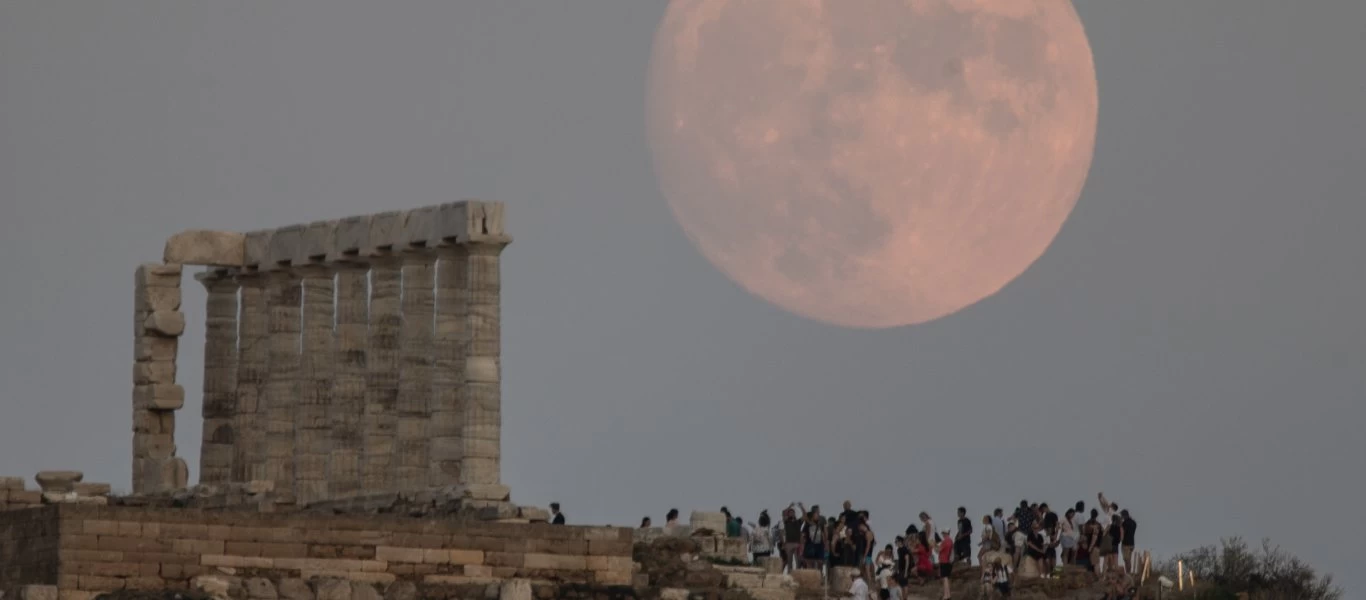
(487, 245)
(217, 279)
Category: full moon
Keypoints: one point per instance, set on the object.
(872, 163)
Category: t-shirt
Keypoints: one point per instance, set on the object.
(946, 551)
(761, 541)
(792, 531)
(1079, 522)
(999, 525)
(732, 528)
(815, 532)
(1129, 527)
(965, 528)
(559, 519)
(859, 590)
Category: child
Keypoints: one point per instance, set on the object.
(946, 562)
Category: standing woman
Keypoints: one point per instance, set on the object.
(1113, 533)
(761, 541)
(1069, 537)
(1093, 533)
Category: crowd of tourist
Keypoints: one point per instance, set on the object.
(1033, 538)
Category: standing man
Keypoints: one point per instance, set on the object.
(813, 533)
(962, 541)
(792, 537)
(558, 516)
(1129, 526)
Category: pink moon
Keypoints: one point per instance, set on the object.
(872, 163)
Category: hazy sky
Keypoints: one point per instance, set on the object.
(1191, 343)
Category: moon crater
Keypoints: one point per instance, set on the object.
(872, 163)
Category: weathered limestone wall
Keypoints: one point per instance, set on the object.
(105, 548)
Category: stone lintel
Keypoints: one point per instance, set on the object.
(284, 248)
(257, 248)
(202, 247)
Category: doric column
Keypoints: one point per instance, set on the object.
(312, 440)
(381, 380)
(415, 372)
(157, 324)
(220, 377)
(481, 428)
(253, 358)
(348, 385)
(447, 406)
(283, 295)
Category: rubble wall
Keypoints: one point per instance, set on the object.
(84, 549)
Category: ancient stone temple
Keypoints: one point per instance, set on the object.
(341, 358)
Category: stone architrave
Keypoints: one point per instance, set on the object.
(253, 356)
(220, 377)
(415, 371)
(481, 427)
(283, 295)
(379, 422)
(312, 440)
(348, 385)
(448, 381)
(156, 306)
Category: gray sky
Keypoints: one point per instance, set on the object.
(1191, 343)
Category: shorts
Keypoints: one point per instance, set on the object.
(962, 548)
(867, 560)
(1003, 588)
(1068, 542)
(814, 552)
(945, 570)
(791, 548)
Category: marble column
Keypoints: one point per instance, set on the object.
(220, 377)
(379, 422)
(253, 356)
(448, 381)
(157, 326)
(312, 440)
(481, 427)
(347, 404)
(283, 295)
(415, 371)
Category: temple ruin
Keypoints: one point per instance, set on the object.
(342, 358)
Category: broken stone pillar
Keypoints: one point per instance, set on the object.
(253, 356)
(283, 295)
(220, 377)
(348, 385)
(414, 372)
(381, 381)
(158, 324)
(448, 382)
(481, 427)
(312, 439)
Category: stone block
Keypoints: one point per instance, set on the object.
(469, 220)
(32, 497)
(419, 229)
(36, 592)
(256, 248)
(772, 564)
(533, 514)
(147, 299)
(284, 247)
(515, 589)
(364, 591)
(294, 589)
(160, 396)
(157, 371)
(317, 241)
(711, 521)
(164, 323)
(399, 555)
(400, 590)
(215, 586)
(158, 275)
(149, 348)
(11, 483)
(154, 446)
(260, 588)
(59, 481)
(352, 236)
(210, 248)
(385, 229)
(482, 369)
(673, 594)
(331, 589)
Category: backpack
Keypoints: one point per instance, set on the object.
(994, 540)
